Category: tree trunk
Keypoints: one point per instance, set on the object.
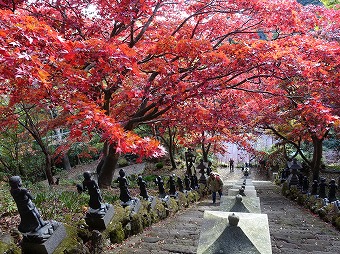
(317, 157)
(205, 152)
(48, 168)
(66, 162)
(172, 148)
(107, 170)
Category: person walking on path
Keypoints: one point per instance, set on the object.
(215, 184)
(231, 165)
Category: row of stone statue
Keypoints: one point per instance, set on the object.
(189, 183)
(294, 177)
(319, 188)
(190, 159)
(37, 230)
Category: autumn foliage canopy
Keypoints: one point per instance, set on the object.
(108, 66)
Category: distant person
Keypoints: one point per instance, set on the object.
(215, 184)
(231, 165)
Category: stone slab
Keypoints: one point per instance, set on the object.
(100, 223)
(152, 203)
(166, 201)
(234, 192)
(248, 204)
(134, 204)
(247, 187)
(248, 182)
(47, 247)
(250, 236)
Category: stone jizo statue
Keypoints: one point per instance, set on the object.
(172, 185)
(32, 226)
(194, 182)
(187, 182)
(29, 214)
(97, 208)
(180, 184)
(190, 160)
(160, 184)
(142, 187)
(123, 186)
(305, 184)
(315, 188)
(92, 187)
(332, 187)
(322, 188)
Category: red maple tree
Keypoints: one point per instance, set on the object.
(108, 66)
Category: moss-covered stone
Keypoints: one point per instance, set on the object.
(136, 224)
(72, 244)
(174, 207)
(9, 248)
(337, 222)
(193, 196)
(301, 198)
(317, 205)
(309, 202)
(117, 234)
(293, 193)
(285, 189)
(84, 234)
(182, 200)
(78, 248)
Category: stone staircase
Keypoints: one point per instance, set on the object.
(292, 229)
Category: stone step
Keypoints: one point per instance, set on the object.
(292, 229)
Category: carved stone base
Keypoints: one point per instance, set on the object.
(152, 203)
(134, 204)
(47, 247)
(186, 192)
(100, 223)
(175, 196)
(166, 201)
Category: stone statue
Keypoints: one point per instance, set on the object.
(92, 187)
(241, 191)
(194, 182)
(332, 187)
(180, 184)
(172, 185)
(160, 184)
(293, 179)
(201, 167)
(29, 214)
(286, 173)
(142, 187)
(33, 228)
(246, 173)
(301, 179)
(315, 188)
(187, 183)
(190, 160)
(322, 188)
(305, 184)
(123, 187)
(97, 208)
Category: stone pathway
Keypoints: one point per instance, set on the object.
(292, 229)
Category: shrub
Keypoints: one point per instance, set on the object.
(337, 222)
(159, 165)
(122, 162)
(117, 234)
